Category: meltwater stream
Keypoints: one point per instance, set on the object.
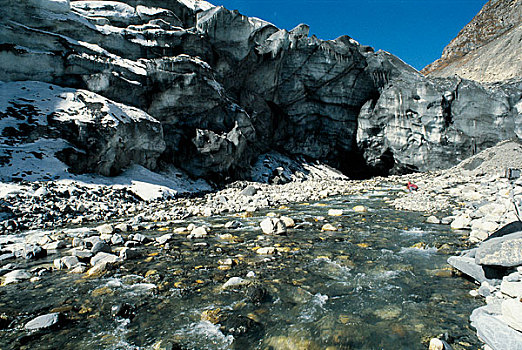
(378, 282)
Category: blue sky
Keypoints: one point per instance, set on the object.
(414, 30)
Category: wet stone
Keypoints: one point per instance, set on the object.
(16, 276)
(257, 294)
(233, 224)
(43, 322)
(124, 310)
(5, 321)
(129, 253)
(34, 252)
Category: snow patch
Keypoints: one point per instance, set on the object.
(197, 5)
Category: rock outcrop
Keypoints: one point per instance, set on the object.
(488, 48)
(424, 124)
(83, 129)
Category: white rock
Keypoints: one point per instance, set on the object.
(198, 232)
(360, 209)
(43, 322)
(335, 212)
(266, 251)
(272, 226)
(107, 229)
(16, 276)
(461, 222)
(436, 344)
(164, 238)
(433, 220)
(233, 282)
(104, 258)
(512, 289)
(289, 222)
(512, 313)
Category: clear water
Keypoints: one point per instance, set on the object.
(361, 287)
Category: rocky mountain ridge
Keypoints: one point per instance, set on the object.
(488, 48)
(223, 89)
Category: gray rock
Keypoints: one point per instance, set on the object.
(6, 256)
(502, 251)
(77, 242)
(101, 247)
(34, 252)
(233, 224)
(123, 227)
(82, 254)
(16, 276)
(89, 242)
(249, 191)
(104, 258)
(495, 333)
(117, 239)
(512, 289)
(43, 322)
(138, 237)
(469, 267)
(271, 226)
(129, 253)
(70, 261)
(105, 229)
(55, 245)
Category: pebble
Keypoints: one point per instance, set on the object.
(328, 227)
(337, 212)
(432, 220)
(266, 251)
(198, 232)
(234, 282)
(360, 209)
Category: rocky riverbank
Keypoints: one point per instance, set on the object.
(479, 200)
(294, 263)
(94, 230)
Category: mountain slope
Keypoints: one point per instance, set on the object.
(488, 49)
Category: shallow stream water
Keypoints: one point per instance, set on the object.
(378, 282)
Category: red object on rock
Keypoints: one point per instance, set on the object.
(412, 187)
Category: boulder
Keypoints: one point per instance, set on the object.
(495, 333)
(104, 258)
(512, 313)
(86, 131)
(16, 276)
(273, 226)
(501, 251)
(461, 222)
(469, 267)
